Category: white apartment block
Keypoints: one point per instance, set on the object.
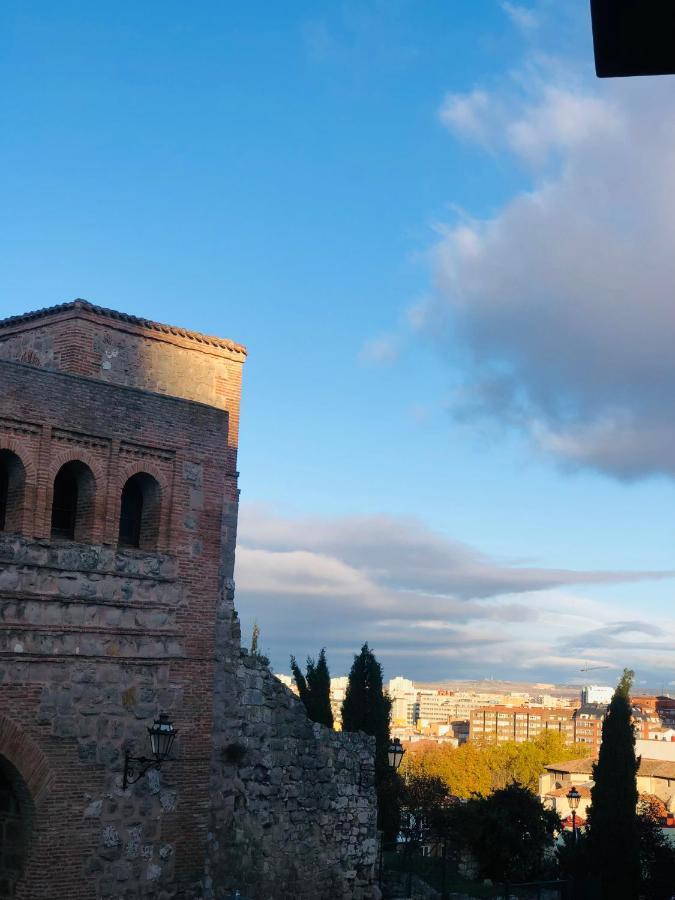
(596, 693)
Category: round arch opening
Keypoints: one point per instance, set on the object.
(12, 491)
(140, 508)
(73, 502)
(16, 824)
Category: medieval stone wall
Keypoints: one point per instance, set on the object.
(294, 808)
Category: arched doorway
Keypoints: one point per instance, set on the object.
(16, 820)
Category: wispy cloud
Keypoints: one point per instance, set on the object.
(524, 18)
(416, 595)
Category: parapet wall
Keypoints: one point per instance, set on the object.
(294, 811)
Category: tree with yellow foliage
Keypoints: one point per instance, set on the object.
(481, 768)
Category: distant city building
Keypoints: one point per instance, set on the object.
(656, 749)
(596, 693)
(338, 692)
(499, 724)
(588, 721)
(403, 701)
(660, 708)
(400, 685)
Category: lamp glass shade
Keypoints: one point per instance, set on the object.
(573, 798)
(396, 752)
(162, 735)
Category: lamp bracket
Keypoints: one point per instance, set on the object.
(132, 773)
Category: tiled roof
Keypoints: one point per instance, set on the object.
(573, 766)
(657, 768)
(122, 317)
(660, 768)
(583, 789)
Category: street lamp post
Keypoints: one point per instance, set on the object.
(573, 798)
(162, 735)
(396, 753)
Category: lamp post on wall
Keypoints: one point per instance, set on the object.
(573, 798)
(396, 754)
(162, 735)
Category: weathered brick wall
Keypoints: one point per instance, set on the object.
(96, 640)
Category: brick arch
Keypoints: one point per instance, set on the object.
(30, 762)
(26, 511)
(143, 467)
(8, 443)
(98, 470)
(126, 471)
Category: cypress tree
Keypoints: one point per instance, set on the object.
(300, 683)
(318, 680)
(367, 708)
(612, 818)
(314, 688)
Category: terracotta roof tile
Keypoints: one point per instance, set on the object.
(648, 767)
(583, 789)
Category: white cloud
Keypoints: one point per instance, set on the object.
(560, 309)
(523, 17)
(562, 120)
(416, 595)
(470, 115)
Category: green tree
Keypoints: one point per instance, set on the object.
(314, 688)
(509, 834)
(319, 685)
(367, 708)
(612, 818)
(425, 803)
(657, 854)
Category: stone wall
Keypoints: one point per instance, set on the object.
(294, 808)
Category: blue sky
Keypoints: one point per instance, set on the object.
(407, 211)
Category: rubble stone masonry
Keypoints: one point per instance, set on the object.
(97, 638)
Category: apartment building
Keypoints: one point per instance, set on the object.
(499, 724)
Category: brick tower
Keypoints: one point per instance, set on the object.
(118, 510)
(118, 514)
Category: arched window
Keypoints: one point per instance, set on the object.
(12, 486)
(73, 502)
(139, 512)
